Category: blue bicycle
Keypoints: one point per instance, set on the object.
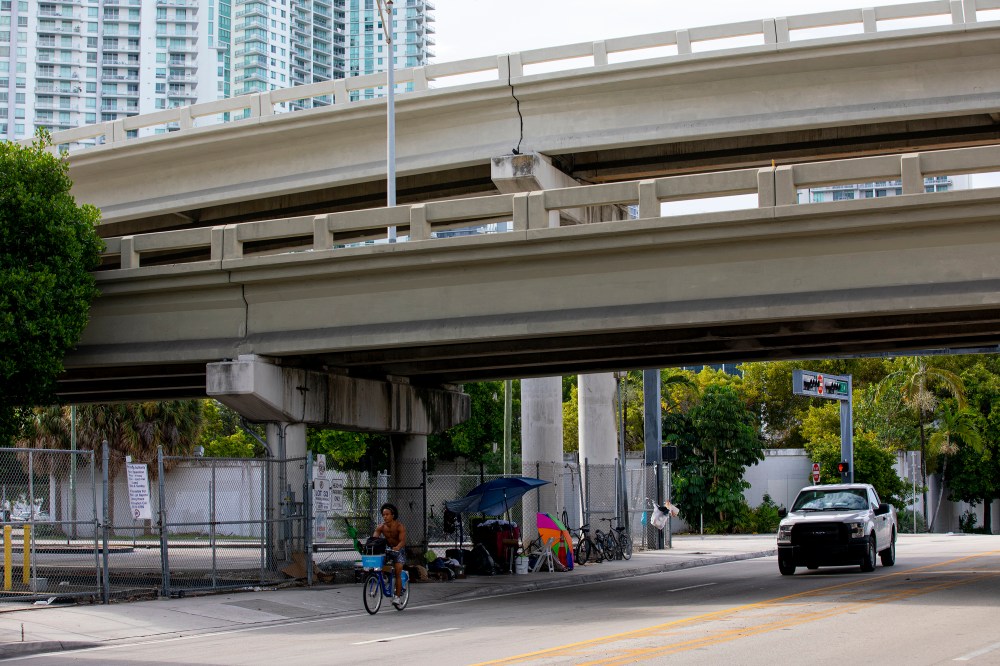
(378, 583)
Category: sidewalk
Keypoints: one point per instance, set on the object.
(69, 627)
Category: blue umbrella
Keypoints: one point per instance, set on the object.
(494, 497)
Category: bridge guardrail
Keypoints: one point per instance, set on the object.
(505, 67)
(775, 186)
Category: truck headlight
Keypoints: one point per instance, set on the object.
(784, 533)
(857, 530)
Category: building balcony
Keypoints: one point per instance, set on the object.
(177, 3)
(181, 95)
(186, 48)
(253, 11)
(173, 78)
(119, 77)
(253, 49)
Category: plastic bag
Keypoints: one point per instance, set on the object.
(661, 514)
(659, 518)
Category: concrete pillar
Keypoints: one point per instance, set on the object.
(598, 443)
(541, 447)
(409, 453)
(287, 442)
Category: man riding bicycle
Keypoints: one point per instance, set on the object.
(394, 533)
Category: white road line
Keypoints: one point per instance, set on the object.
(690, 587)
(978, 653)
(396, 638)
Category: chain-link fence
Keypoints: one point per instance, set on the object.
(48, 508)
(71, 527)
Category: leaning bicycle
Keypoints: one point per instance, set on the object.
(378, 583)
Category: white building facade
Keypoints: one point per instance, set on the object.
(66, 63)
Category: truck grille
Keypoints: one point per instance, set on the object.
(819, 534)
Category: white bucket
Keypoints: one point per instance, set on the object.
(520, 565)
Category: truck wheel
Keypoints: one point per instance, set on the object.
(868, 564)
(888, 556)
(786, 566)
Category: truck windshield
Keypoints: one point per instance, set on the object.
(831, 500)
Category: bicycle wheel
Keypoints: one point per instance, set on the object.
(611, 546)
(599, 546)
(625, 540)
(582, 554)
(373, 594)
(404, 598)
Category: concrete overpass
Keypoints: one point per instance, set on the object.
(779, 279)
(718, 97)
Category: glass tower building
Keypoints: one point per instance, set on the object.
(65, 63)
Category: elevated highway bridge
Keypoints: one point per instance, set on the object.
(704, 99)
(262, 237)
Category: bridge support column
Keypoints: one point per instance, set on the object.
(286, 485)
(541, 447)
(533, 172)
(409, 453)
(598, 441)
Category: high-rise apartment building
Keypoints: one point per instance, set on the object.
(65, 63)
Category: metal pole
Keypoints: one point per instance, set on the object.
(72, 471)
(508, 418)
(385, 11)
(211, 527)
(106, 587)
(309, 517)
(423, 488)
(162, 513)
(670, 535)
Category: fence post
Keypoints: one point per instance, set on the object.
(586, 491)
(307, 504)
(106, 578)
(211, 525)
(28, 544)
(162, 517)
(97, 521)
(265, 532)
(423, 488)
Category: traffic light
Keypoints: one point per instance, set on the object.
(843, 467)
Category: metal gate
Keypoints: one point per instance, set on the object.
(49, 513)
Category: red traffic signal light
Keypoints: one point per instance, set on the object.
(843, 467)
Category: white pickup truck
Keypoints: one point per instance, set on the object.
(837, 524)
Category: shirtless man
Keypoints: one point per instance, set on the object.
(394, 533)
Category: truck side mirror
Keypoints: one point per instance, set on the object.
(882, 509)
(782, 512)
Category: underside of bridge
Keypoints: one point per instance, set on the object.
(435, 365)
(752, 149)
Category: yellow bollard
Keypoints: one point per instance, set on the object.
(26, 572)
(8, 553)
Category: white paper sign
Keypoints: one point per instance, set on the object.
(319, 530)
(321, 494)
(138, 491)
(336, 495)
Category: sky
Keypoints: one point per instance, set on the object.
(470, 28)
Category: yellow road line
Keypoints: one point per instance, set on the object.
(733, 634)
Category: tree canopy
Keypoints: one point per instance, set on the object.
(48, 246)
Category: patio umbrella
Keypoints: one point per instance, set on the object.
(495, 497)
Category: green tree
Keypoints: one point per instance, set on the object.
(954, 428)
(571, 421)
(873, 463)
(711, 473)
(973, 473)
(916, 380)
(223, 436)
(48, 246)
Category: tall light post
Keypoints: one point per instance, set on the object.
(385, 13)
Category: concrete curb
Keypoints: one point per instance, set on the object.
(12, 650)
(508, 586)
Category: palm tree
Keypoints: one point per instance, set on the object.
(48, 428)
(953, 426)
(136, 430)
(914, 379)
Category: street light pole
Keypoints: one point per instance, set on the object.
(385, 12)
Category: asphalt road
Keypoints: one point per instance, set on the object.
(939, 604)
